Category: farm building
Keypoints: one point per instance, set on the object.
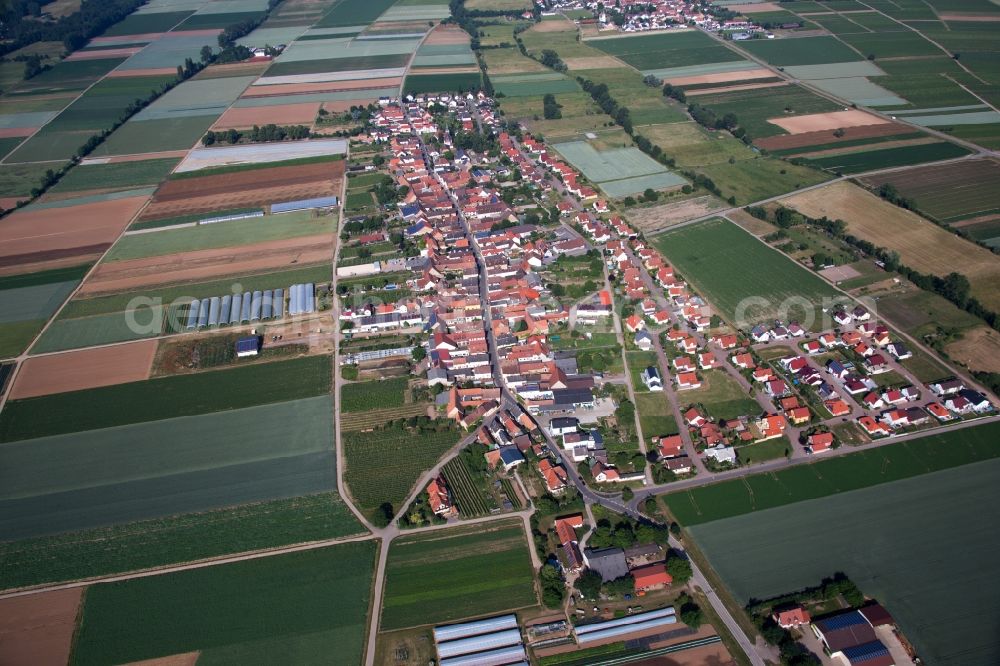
(614, 629)
(248, 346)
(609, 562)
(651, 577)
(851, 636)
(491, 642)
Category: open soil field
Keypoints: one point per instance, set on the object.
(51, 236)
(952, 192)
(310, 604)
(780, 550)
(439, 576)
(816, 122)
(38, 629)
(737, 87)
(825, 136)
(979, 349)
(206, 264)
(89, 368)
(721, 77)
(280, 114)
(244, 189)
(283, 89)
(921, 244)
(656, 218)
(729, 267)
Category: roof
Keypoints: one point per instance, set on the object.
(873, 653)
(845, 630)
(654, 574)
(247, 344)
(877, 615)
(609, 562)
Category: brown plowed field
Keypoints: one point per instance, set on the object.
(38, 628)
(141, 157)
(814, 122)
(282, 89)
(11, 132)
(447, 34)
(254, 187)
(58, 230)
(141, 37)
(201, 265)
(279, 114)
(850, 150)
(823, 137)
(105, 53)
(84, 369)
(721, 77)
(592, 62)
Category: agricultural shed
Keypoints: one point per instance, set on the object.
(500, 657)
(624, 621)
(481, 643)
(248, 346)
(613, 632)
(304, 204)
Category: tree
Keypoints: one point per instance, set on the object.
(679, 568)
(206, 54)
(383, 516)
(553, 590)
(839, 132)
(627, 494)
(589, 584)
(619, 587)
(419, 353)
(691, 615)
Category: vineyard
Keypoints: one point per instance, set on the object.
(469, 495)
(382, 465)
(364, 396)
(376, 417)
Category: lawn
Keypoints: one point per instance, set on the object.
(168, 397)
(826, 477)
(362, 396)
(383, 465)
(182, 538)
(457, 573)
(722, 396)
(785, 549)
(310, 604)
(746, 281)
(142, 471)
(655, 415)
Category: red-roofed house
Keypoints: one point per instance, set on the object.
(792, 617)
(437, 497)
(651, 577)
(554, 475)
(819, 442)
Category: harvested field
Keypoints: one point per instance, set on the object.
(40, 236)
(815, 122)
(978, 348)
(148, 71)
(38, 628)
(136, 158)
(282, 114)
(592, 62)
(721, 77)
(745, 86)
(921, 244)
(245, 189)
(651, 220)
(447, 34)
(554, 25)
(16, 132)
(975, 18)
(85, 369)
(104, 53)
(970, 189)
(207, 264)
(823, 137)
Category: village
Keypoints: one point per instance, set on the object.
(578, 361)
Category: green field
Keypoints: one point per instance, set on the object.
(362, 396)
(891, 44)
(68, 75)
(871, 160)
(801, 51)
(353, 12)
(426, 83)
(17, 180)
(167, 397)
(760, 178)
(100, 329)
(300, 606)
(345, 64)
(122, 175)
(137, 24)
(183, 538)
(727, 265)
(457, 573)
(382, 465)
(221, 234)
(173, 466)
(892, 462)
(155, 135)
(655, 415)
(781, 550)
(27, 301)
(753, 108)
(722, 396)
(950, 193)
(663, 50)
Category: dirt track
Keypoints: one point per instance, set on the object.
(38, 629)
(84, 369)
(119, 276)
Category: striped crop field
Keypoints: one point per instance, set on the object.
(376, 417)
(469, 498)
